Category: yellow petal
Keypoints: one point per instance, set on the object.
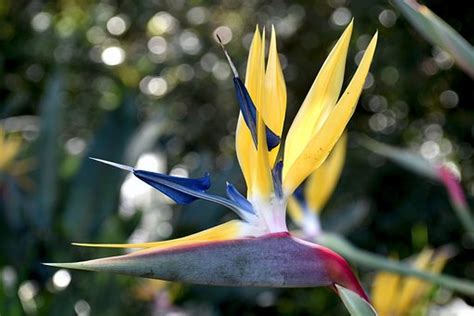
(149, 289)
(262, 178)
(439, 261)
(320, 145)
(255, 72)
(229, 230)
(10, 148)
(274, 95)
(295, 211)
(254, 82)
(414, 288)
(385, 290)
(320, 99)
(2, 136)
(323, 180)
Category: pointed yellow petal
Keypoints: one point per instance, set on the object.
(385, 290)
(262, 178)
(229, 230)
(255, 72)
(414, 288)
(439, 261)
(323, 180)
(274, 94)
(9, 150)
(320, 99)
(321, 144)
(295, 211)
(243, 148)
(254, 82)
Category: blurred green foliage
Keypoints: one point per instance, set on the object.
(119, 79)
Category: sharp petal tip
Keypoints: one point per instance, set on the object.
(81, 244)
(350, 25)
(219, 40)
(113, 164)
(229, 60)
(66, 265)
(88, 265)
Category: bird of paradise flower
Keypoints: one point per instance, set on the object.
(394, 295)
(257, 249)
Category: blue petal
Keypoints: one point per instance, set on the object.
(277, 178)
(299, 195)
(184, 190)
(249, 112)
(160, 182)
(234, 195)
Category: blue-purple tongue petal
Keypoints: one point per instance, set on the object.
(184, 190)
(234, 195)
(299, 195)
(161, 183)
(277, 178)
(249, 112)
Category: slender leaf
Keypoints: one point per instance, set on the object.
(48, 152)
(439, 33)
(410, 160)
(374, 261)
(95, 190)
(354, 303)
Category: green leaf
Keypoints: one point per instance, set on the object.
(403, 157)
(48, 152)
(439, 33)
(94, 192)
(355, 304)
(416, 163)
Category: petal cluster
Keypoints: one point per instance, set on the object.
(324, 114)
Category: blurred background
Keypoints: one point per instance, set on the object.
(144, 83)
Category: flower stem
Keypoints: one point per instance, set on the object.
(374, 261)
(457, 198)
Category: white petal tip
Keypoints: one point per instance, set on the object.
(113, 164)
(56, 265)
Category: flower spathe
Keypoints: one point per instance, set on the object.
(257, 250)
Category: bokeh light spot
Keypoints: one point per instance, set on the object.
(341, 16)
(61, 279)
(157, 45)
(449, 99)
(224, 33)
(41, 21)
(113, 56)
(117, 25)
(387, 18)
